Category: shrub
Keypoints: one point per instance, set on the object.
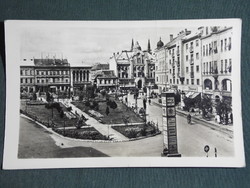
(159, 101)
(87, 103)
(69, 108)
(132, 133)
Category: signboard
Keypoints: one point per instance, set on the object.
(169, 124)
(192, 88)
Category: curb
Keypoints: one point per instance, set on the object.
(82, 140)
(205, 123)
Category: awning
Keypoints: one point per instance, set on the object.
(194, 95)
(189, 94)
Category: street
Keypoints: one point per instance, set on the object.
(36, 142)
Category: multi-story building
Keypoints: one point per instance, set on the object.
(175, 61)
(80, 77)
(192, 64)
(27, 76)
(134, 67)
(106, 79)
(161, 67)
(52, 75)
(217, 59)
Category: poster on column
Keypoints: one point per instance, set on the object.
(71, 93)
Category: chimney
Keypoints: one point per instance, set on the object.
(171, 37)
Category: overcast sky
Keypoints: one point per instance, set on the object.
(88, 45)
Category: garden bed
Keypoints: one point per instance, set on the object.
(115, 116)
(135, 131)
(44, 115)
(88, 133)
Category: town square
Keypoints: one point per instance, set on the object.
(115, 106)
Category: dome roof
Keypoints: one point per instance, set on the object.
(160, 44)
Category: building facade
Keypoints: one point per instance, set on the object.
(27, 76)
(80, 77)
(52, 75)
(217, 59)
(192, 64)
(134, 67)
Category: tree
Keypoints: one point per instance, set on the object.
(223, 107)
(61, 114)
(107, 111)
(206, 106)
(34, 97)
(48, 97)
(113, 105)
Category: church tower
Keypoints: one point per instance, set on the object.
(149, 48)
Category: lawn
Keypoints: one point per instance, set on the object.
(135, 131)
(116, 115)
(44, 115)
(89, 133)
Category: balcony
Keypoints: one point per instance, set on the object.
(191, 49)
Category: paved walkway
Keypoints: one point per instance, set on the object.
(198, 118)
(104, 129)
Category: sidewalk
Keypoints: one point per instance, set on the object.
(198, 118)
(104, 129)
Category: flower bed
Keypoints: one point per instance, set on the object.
(135, 131)
(88, 133)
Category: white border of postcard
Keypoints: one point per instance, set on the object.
(10, 160)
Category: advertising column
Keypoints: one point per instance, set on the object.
(169, 125)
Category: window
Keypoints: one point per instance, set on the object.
(38, 81)
(187, 81)
(210, 49)
(197, 68)
(203, 50)
(170, 81)
(225, 44)
(157, 79)
(173, 81)
(21, 80)
(169, 52)
(197, 55)
(21, 72)
(186, 69)
(210, 67)
(170, 71)
(31, 80)
(170, 62)
(226, 65)
(187, 46)
(197, 42)
(198, 81)
(204, 66)
(192, 81)
(186, 57)
(26, 80)
(215, 47)
(207, 67)
(229, 45)
(221, 66)
(177, 81)
(206, 50)
(221, 45)
(230, 66)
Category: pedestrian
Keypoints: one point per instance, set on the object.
(126, 100)
(149, 101)
(189, 118)
(231, 117)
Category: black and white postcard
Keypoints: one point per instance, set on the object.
(83, 94)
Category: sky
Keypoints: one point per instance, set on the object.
(89, 45)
